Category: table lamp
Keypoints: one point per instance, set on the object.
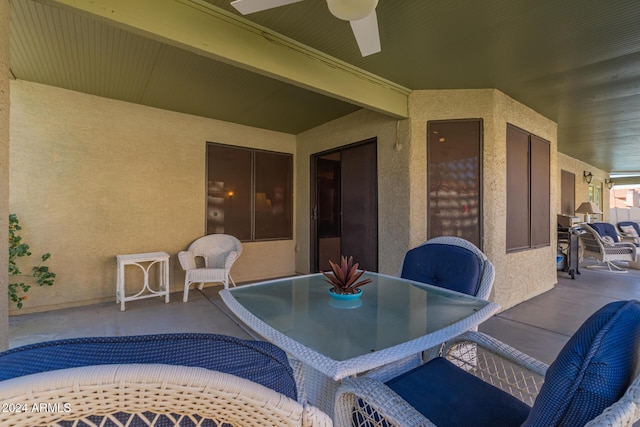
(588, 208)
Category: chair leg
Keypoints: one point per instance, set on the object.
(232, 282)
(201, 285)
(615, 267)
(600, 267)
(185, 297)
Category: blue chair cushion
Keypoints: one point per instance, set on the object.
(593, 370)
(446, 266)
(258, 361)
(449, 396)
(606, 229)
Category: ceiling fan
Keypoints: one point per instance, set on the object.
(361, 14)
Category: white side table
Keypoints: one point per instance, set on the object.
(145, 261)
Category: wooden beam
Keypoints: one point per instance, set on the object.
(212, 32)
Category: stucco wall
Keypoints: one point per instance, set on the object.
(92, 178)
(578, 168)
(393, 181)
(521, 275)
(4, 168)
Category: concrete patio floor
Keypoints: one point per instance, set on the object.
(538, 327)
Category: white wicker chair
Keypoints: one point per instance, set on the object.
(219, 252)
(148, 395)
(492, 361)
(595, 246)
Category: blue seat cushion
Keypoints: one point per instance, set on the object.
(606, 229)
(446, 266)
(258, 361)
(449, 396)
(593, 370)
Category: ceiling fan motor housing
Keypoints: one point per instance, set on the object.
(351, 10)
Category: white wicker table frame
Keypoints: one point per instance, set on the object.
(323, 374)
(150, 259)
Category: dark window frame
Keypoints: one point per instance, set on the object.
(287, 192)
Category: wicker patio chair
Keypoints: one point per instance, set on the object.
(169, 379)
(452, 263)
(592, 382)
(218, 251)
(603, 243)
(148, 395)
(448, 262)
(630, 229)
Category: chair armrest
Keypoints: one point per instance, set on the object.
(231, 258)
(629, 238)
(187, 260)
(495, 362)
(378, 400)
(621, 248)
(635, 241)
(624, 412)
(501, 349)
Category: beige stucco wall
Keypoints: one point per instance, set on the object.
(393, 181)
(92, 178)
(521, 275)
(4, 168)
(578, 168)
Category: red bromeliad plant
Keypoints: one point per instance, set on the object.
(345, 276)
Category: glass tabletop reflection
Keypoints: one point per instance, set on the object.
(391, 311)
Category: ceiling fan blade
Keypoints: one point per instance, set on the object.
(251, 6)
(367, 35)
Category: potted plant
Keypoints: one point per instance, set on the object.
(344, 278)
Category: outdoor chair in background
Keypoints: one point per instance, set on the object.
(630, 229)
(218, 253)
(602, 242)
(154, 380)
(592, 382)
(452, 263)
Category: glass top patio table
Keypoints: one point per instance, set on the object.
(393, 319)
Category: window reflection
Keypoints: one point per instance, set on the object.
(454, 179)
(249, 193)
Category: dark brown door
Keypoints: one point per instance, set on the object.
(345, 206)
(360, 205)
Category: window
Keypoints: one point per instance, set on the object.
(528, 198)
(595, 196)
(249, 193)
(567, 192)
(454, 165)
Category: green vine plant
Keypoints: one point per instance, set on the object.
(39, 272)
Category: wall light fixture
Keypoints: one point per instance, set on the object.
(608, 183)
(588, 177)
